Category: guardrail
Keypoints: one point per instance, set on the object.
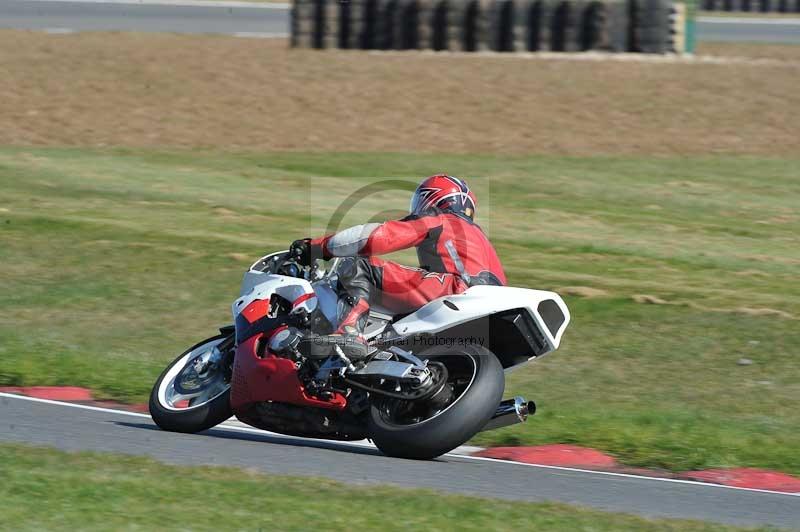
(648, 26)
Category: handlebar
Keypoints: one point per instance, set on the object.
(278, 263)
(297, 269)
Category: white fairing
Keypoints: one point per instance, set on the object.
(547, 310)
(480, 301)
(328, 301)
(258, 285)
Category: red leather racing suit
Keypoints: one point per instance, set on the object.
(453, 252)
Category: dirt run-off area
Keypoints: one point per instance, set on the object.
(127, 89)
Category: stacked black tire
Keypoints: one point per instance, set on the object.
(652, 30)
(483, 25)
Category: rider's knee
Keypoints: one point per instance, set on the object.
(356, 277)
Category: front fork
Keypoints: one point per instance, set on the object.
(226, 347)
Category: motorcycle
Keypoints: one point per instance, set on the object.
(432, 379)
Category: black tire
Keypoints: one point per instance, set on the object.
(455, 425)
(193, 419)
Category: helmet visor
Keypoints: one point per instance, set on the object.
(416, 203)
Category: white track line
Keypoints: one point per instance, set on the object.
(628, 475)
(179, 3)
(451, 455)
(745, 20)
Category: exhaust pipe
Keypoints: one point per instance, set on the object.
(510, 412)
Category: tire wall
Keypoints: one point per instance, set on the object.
(645, 26)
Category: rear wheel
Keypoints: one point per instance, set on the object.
(193, 393)
(427, 429)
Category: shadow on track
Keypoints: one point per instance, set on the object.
(266, 438)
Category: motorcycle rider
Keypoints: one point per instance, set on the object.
(453, 253)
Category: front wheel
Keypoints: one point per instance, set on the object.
(193, 393)
(426, 429)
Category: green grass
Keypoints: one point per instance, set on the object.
(113, 261)
(48, 490)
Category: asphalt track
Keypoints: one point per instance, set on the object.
(731, 29)
(272, 20)
(259, 20)
(74, 428)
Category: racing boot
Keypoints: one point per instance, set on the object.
(350, 334)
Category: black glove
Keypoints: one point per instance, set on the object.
(304, 252)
